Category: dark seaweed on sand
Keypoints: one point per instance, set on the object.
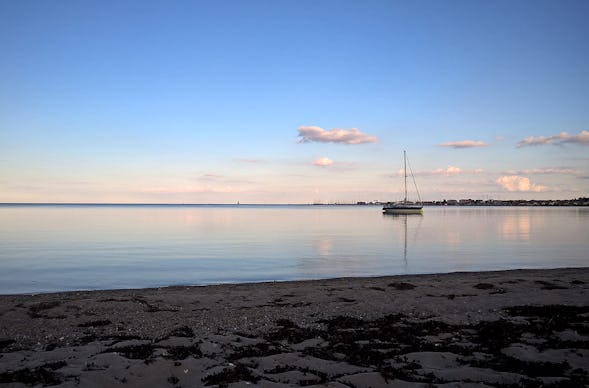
(234, 374)
(402, 286)
(135, 352)
(183, 352)
(36, 309)
(183, 331)
(380, 342)
(289, 331)
(44, 374)
(98, 323)
(4, 343)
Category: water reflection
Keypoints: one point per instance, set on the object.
(403, 219)
(453, 237)
(516, 227)
(324, 246)
(55, 248)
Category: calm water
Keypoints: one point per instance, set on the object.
(54, 248)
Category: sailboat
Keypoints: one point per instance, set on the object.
(404, 207)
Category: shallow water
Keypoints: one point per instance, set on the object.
(85, 247)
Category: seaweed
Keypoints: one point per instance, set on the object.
(103, 322)
(44, 374)
(183, 331)
(183, 352)
(231, 375)
(135, 352)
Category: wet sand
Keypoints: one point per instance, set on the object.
(500, 329)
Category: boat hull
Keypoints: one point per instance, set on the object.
(402, 209)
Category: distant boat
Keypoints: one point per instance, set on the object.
(405, 206)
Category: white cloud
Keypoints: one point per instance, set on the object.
(448, 171)
(518, 183)
(451, 170)
(323, 162)
(464, 144)
(309, 134)
(561, 138)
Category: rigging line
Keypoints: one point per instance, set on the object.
(414, 183)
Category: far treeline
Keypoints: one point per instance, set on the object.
(582, 201)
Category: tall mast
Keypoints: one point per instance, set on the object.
(405, 171)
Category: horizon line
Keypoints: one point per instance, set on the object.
(361, 203)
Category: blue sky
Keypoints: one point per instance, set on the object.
(209, 102)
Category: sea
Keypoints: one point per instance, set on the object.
(51, 248)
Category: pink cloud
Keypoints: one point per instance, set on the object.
(448, 171)
(451, 170)
(323, 162)
(518, 183)
(464, 144)
(310, 134)
(210, 177)
(562, 138)
(251, 161)
(549, 170)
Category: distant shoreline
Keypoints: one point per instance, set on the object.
(582, 201)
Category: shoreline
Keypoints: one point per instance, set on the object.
(497, 328)
(273, 282)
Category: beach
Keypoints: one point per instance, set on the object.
(507, 328)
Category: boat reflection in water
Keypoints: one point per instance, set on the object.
(403, 219)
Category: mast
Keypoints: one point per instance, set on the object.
(405, 172)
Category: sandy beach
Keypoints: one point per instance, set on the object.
(499, 329)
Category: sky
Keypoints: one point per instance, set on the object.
(264, 101)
